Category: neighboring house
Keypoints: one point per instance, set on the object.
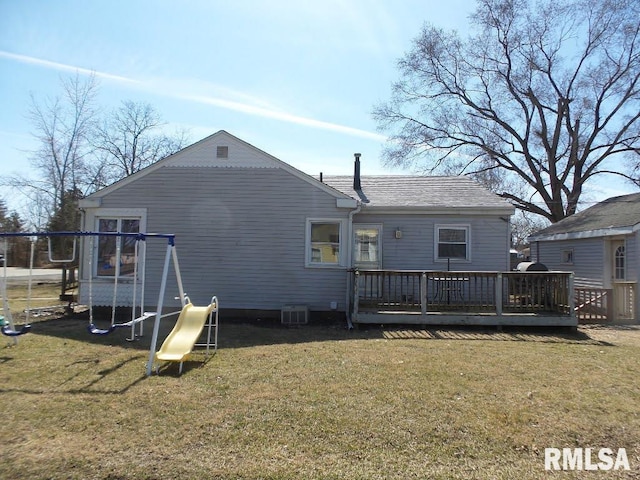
(260, 234)
(601, 245)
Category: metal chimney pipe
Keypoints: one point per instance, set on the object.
(356, 173)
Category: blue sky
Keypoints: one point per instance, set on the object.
(296, 79)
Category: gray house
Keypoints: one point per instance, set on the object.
(601, 245)
(261, 235)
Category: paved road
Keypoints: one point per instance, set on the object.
(39, 274)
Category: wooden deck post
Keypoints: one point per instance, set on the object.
(423, 293)
(499, 285)
(571, 295)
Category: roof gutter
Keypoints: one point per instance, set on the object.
(600, 232)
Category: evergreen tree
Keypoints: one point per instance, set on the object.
(17, 248)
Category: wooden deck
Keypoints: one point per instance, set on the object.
(463, 298)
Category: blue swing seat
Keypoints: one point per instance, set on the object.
(105, 331)
(9, 332)
(94, 330)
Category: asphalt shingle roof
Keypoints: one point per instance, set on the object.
(615, 212)
(418, 192)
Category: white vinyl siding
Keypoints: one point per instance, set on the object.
(588, 259)
(415, 250)
(240, 235)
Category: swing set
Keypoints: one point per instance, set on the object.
(135, 318)
(191, 321)
(8, 326)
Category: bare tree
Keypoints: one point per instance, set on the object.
(78, 154)
(543, 95)
(129, 142)
(63, 127)
(523, 225)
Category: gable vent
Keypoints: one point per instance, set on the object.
(222, 152)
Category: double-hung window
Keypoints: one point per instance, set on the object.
(324, 243)
(116, 254)
(452, 242)
(367, 246)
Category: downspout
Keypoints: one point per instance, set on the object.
(349, 294)
(357, 187)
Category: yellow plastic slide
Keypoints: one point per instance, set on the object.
(179, 344)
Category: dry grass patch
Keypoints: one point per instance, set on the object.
(43, 294)
(317, 402)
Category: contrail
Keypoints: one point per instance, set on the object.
(65, 68)
(156, 86)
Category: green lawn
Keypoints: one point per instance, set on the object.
(318, 402)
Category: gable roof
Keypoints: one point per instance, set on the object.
(429, 194)
(613, 216)
(203, 153)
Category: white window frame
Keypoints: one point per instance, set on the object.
(366, 226)
(436, 241)
(343, 244)
(139, 214)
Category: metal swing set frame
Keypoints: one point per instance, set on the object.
(170, 257)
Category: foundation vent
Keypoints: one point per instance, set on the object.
(294, 315)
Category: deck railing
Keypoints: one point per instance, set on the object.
(471, 292)
(594, 305)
